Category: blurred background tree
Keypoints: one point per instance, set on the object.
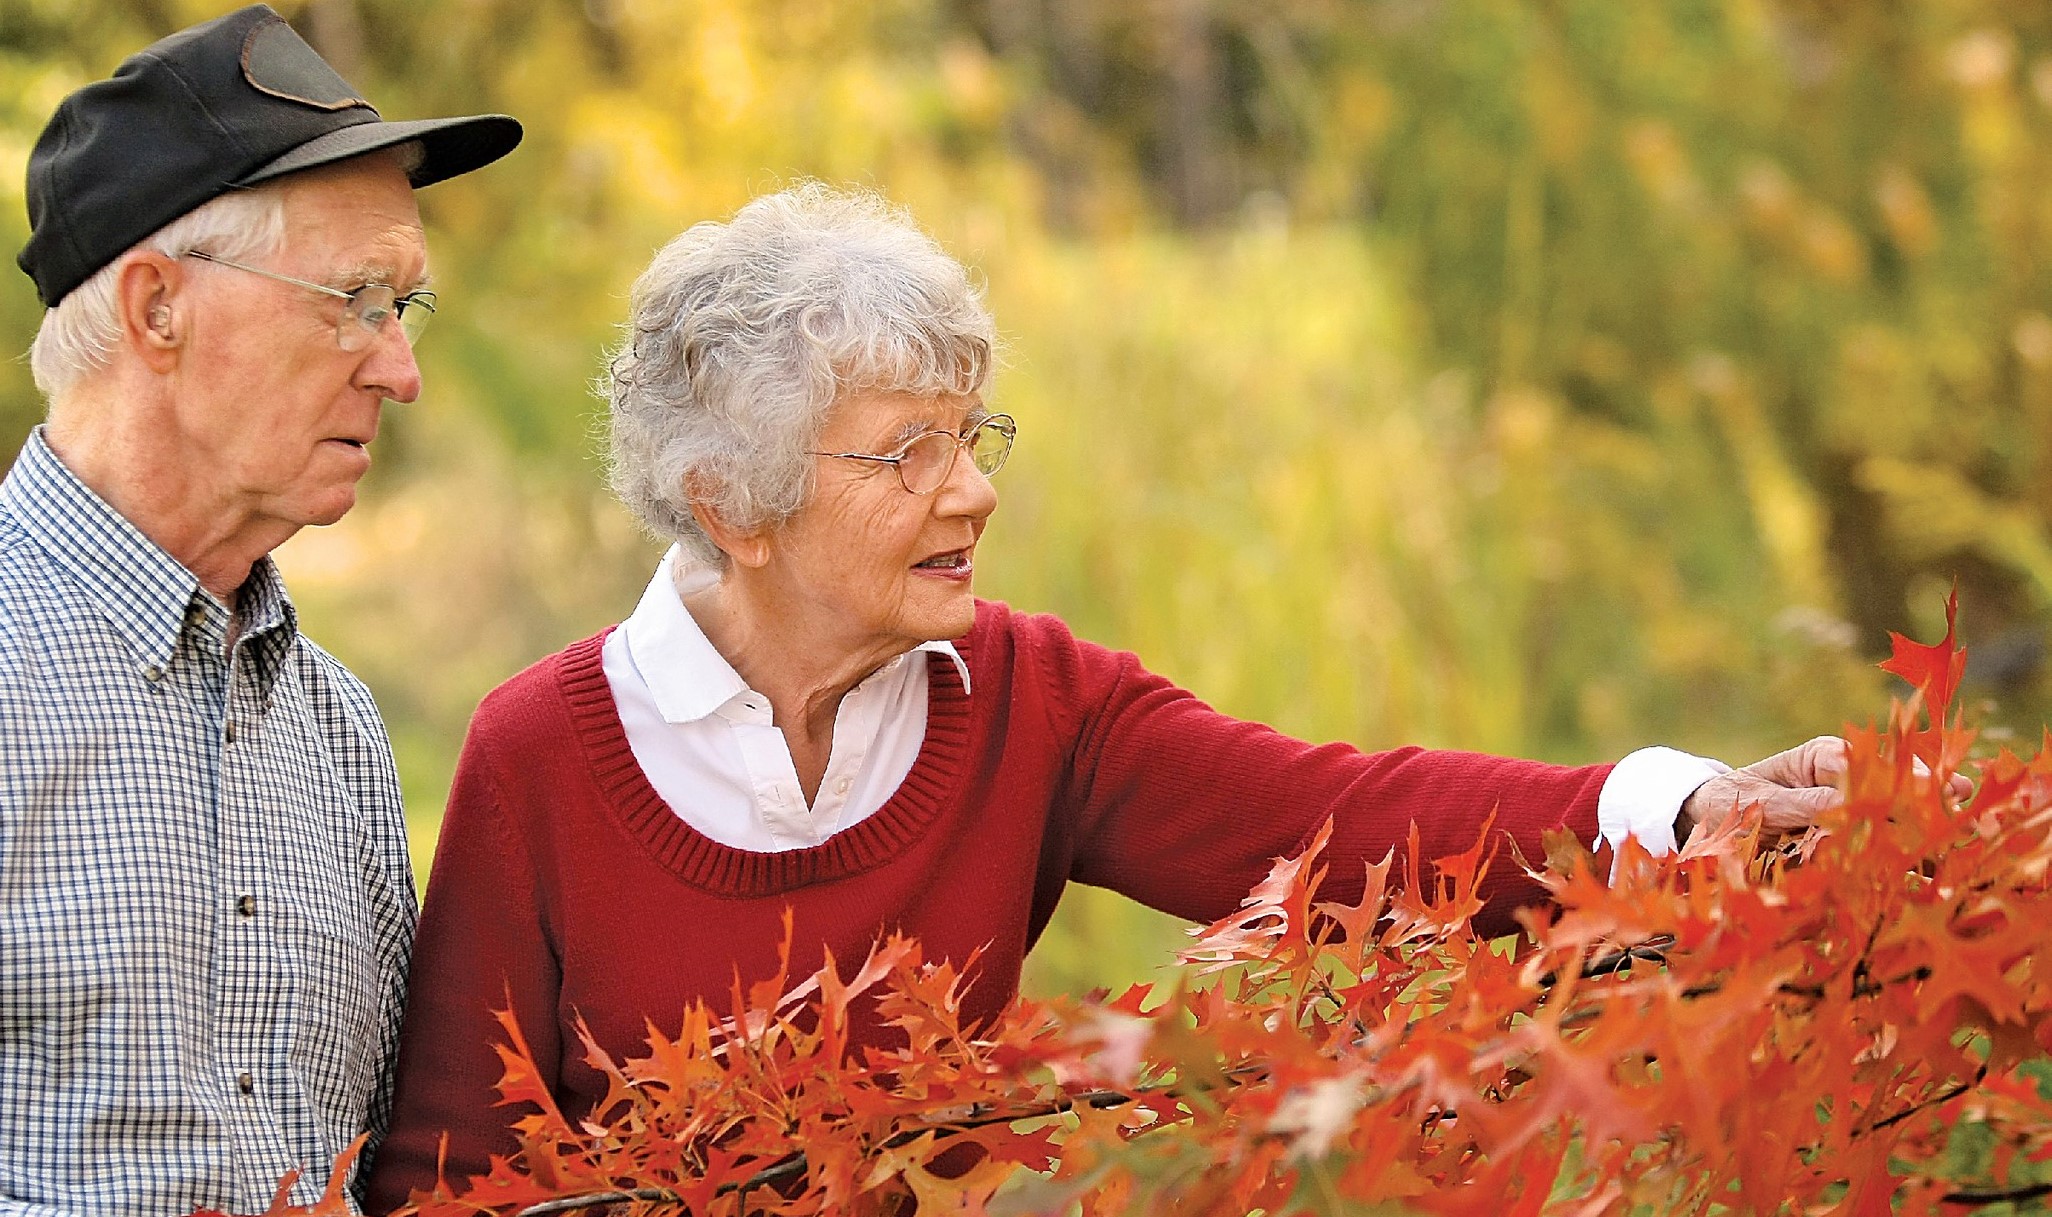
(1538, 376)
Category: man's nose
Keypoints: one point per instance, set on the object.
(389, 369)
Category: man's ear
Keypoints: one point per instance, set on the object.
(745, 547)
(152, 307)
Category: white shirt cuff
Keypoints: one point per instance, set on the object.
(1644, 794)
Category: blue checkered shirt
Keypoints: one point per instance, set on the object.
(205, 901)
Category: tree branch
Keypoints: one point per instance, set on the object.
(2032, 1192)
(567, 1204)
(793, 1165)
(1934, 1101)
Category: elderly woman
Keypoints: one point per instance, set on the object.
(809, 710)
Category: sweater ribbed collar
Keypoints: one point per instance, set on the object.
(706, 863)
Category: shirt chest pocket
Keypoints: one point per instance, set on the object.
(337, 982)
(309, 830)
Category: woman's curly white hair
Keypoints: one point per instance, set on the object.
(741, 337)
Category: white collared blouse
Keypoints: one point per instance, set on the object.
(707, 742)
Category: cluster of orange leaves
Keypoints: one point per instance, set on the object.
(1752, 1026)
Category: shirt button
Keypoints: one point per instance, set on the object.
(841, 787)
(228, 732)
(245, 1083)
(153, 673)
(246, 905)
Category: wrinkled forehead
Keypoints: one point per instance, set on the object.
(356, 220)
(884, 418)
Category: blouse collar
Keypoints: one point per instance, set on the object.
(687, 677)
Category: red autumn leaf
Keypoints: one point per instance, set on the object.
(522, 1080)
(1274, 913)
(1933, 670)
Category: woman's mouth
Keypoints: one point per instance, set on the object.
(954, 564)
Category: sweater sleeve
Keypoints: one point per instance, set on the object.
(1184, 808)
(482, 948)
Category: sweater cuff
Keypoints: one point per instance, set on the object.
(1644, 794)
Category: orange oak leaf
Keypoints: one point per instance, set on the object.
(1933, 670)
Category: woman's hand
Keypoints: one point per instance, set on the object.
(1791, 788)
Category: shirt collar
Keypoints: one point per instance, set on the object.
(687, 677)
(145, 593)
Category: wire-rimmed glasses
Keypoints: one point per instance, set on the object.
(366, 310)
(925, 461)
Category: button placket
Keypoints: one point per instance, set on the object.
(245, 702)
(784, 808)
(251, 984)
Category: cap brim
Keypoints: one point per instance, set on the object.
(449, 146)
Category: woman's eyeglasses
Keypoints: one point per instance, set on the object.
(925, 461)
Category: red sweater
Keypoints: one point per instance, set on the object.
(563, 879)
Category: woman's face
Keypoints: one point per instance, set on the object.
(891, 568)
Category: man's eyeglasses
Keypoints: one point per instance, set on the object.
(367, 309)
(925, 461)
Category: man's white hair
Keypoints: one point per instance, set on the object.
(79, 335)
(741, 336)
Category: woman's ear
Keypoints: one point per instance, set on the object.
(746, 547)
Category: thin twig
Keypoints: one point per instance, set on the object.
(1934, 1101)
(567, 1204)
(2032, 1192)
(1653, 950)
(794, 1165)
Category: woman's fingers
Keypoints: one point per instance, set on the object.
(1792, 788)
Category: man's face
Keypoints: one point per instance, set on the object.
(273, 417)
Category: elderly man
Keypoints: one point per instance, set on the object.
(205, 900)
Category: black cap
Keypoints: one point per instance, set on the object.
(232, 102)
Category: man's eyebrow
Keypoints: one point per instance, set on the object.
(377, 272)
